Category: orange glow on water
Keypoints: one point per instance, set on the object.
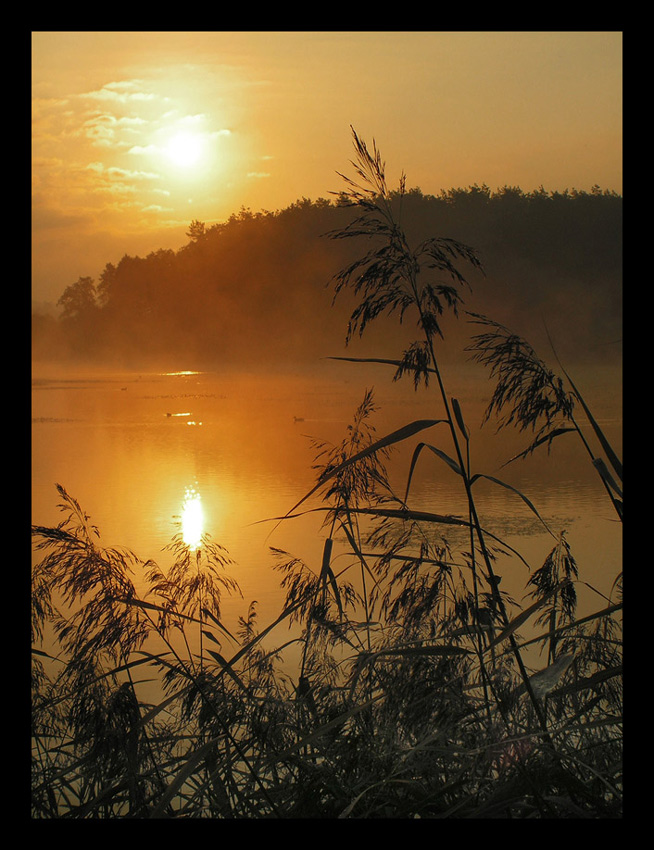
(192, 519)
(251, 461)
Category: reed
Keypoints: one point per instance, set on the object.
(413, 697)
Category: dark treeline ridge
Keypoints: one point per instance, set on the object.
(256, 287)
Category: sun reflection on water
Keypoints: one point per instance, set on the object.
(192, 518)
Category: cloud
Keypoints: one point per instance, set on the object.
(123, 91)
(115, 188)
(42, 104)
(156, 208)
(139, 150)
(122, 173)
(116, 181)
(102, 129)
(200, 118)
(99, 133)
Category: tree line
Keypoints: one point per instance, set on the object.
(255, 288)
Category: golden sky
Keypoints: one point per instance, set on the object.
(134, 134)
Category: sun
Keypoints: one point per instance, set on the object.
(185, 149)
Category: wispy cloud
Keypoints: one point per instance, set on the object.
(103, 129)
(121, 173)
(122, 91)
(140, 150)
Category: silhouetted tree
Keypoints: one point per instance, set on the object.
(196, 230)
(79, 317)
(78, 300)
(105, 285)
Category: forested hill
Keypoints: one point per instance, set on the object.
(256, 289)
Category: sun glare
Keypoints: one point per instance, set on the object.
(185, 149)
(192, 519)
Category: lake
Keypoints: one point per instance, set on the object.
(130, 445)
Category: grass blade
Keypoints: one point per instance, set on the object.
(181, 776)
(228, 668)
(514, 490)
(606, 446)
(589, 681)
(522, 618)
(389, 440)
(539, 442)
(367, 658)
(329, 574)
(458, 415)
(441, 454)
(601, 467)
(386, 360)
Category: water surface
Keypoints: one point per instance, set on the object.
(129, 446)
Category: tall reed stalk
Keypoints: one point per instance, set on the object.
(395, 277)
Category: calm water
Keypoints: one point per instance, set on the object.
(129, 446)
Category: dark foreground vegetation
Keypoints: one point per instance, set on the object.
(415, 694)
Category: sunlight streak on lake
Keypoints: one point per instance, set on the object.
(192, 519)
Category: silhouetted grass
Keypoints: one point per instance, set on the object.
(412, 697)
